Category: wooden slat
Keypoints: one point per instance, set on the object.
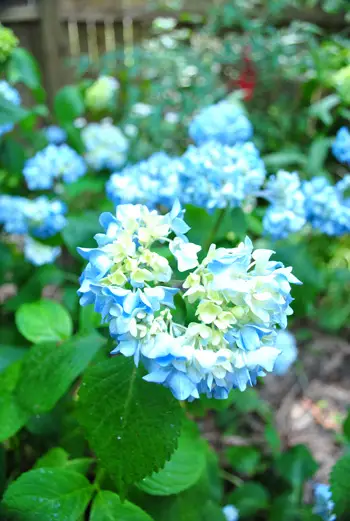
(28, 13)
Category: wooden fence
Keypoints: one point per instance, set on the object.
(54, 30)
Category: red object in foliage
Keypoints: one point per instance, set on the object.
(247, 77)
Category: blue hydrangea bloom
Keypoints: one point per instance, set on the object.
(241, 298)
(323, 502)
(106, 146)
(11, 95)
(341, 146)
(286, 343)
(53, 164)
(45, 218)
(55, 135)
(153, 182)
(39, 254)
(215, 176)
(231, 513)
(40, 217)
(328, 206)
(286, 213)
(12, 214)
(223, 122)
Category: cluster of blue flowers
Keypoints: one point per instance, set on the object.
(154, 181)
(287, 345)
(12, 96)
(327, 206)
(223, 122)
(323, 502)
(341, 146)
(34, 218)
(210, 176)
(55, 135)
(294, 203)
(231, 513)
(286, 213)
(106, 146)
(218, 176)
(53, 164)
(241, 300)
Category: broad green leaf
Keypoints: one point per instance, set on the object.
(250, 498)
(10, 354)
(108, 507)
(9, 112)
(12, 415)
(131, 425)
(284, 159)
(81, 465)
(47, 495)
(322, 109)
(49, 370)
(55, 457)
(191, 505)
(340, 485)
(244, 459)
(80, 231)
(23, 68)
(68, 104)
(44, 321)
(184, 468)
(317, 155)
(88, 318)
(296, 466)
(346, 426)
(273, 438)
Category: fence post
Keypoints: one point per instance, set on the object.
(51, 39)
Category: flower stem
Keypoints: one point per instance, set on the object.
(216, 228)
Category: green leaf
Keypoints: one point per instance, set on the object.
(250, 498)
(68, 104)
(9, 112)
(296, 466)
(184, 468)
(55, 457)
(131, 425)
(88, 318)
(10, 354)
(346, 425)
(273, 438)
(12, 416)
(47, 495)
(244, 459)
(49, 370)
(340, 485)
(44, 321)
(80, 231)
(23, 68)
(81, 465)
(108, 507)
(322, 109)
(284, 159)
(317, 155)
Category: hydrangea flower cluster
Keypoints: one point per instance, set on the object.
(53, 164)
(241, 298)
(12, 96)
(287, 345)
(286, 214)
(323, 502)
(100, 95)
(154, 181)
(39, 217)
(38, 253)
(216, 176)
(106, 146)
(55, 135)
(231, 513)
(8, 42)
(341, 146)
(328, 206)
(223, 122)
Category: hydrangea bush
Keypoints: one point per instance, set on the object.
(155, 275)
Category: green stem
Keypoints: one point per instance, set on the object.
(216, 228)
